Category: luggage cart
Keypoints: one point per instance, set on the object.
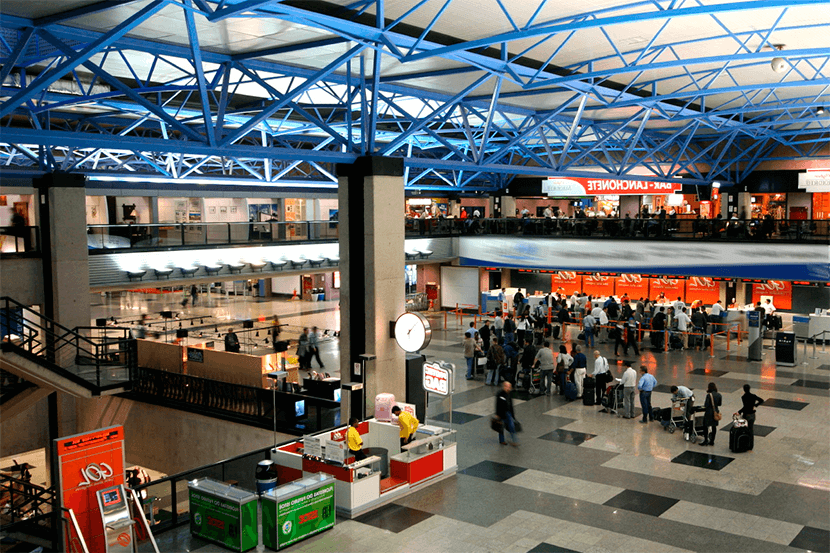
(613, 398)
(535, 381)
(679, 413)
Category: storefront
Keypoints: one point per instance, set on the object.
(422, 208)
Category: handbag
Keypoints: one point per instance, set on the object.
(517, 426)
(581, 336)
(717, 416)
(497, 424)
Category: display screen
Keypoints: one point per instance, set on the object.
(110, 497)
(299, 408)
(337, 394)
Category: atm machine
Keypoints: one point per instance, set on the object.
(118, 524)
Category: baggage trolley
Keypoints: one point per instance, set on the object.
(613, 398)
(535, 381)
(679, 416)
(693, 424)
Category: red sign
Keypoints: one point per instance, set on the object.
(634, 285)
(780, 290)
(582, 186)
(671, 287)
(87, 463)
(703, 289)
(598, 285)
(565, 282)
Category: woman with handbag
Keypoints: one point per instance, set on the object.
(711, 414)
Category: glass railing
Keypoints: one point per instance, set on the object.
(166, 235)
(19, 240)
(732, 230)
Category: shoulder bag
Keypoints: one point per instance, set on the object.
(717, 416)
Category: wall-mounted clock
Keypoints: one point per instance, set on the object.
(412, 332)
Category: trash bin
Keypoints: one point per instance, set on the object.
(266, 476)
(383, 453)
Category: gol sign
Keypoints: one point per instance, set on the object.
(437, 378)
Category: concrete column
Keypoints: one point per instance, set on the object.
(508, 206)
(62, 204)
(154, 209)
(371, 192)
(744, 205)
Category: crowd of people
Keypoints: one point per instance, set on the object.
(516, 349)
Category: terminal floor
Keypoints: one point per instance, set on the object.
(592, 482)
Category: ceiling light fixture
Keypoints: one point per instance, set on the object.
(779, 65)
(820, 110)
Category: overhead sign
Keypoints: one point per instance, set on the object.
(437, 378)
(582, 186)
(814, 181)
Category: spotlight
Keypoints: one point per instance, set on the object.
(820, 110)
(779, 65)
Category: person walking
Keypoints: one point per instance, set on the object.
(303, 353)
(629, 384)
(750, 401)
(710, 409)
(504, 413)
(314, 347)
(544, 362)
(646, 386)
(194, 295)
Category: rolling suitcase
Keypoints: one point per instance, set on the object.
(555, 332)
(588, 390)
(740, 438)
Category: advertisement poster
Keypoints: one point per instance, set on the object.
(634, 285)
(565, 282)
(87, 463)
(598, 285)
(297, 518)
(671, 287)
(780, 290)
(703, 289)
(216, 519)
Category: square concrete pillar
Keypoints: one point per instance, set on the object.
(371, 200)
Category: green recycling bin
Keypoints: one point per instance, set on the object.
(223, 514)
(298, 510)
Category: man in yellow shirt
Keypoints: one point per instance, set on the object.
(354, 440)
(408, 424)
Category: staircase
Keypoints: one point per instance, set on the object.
(83, 362)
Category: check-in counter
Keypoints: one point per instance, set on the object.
(360, 486)
(819, 324)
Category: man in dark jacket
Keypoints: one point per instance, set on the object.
(484, 332)
(495, 361)
(700, 323)
(528, 359)
(504, 412)
(658, 325)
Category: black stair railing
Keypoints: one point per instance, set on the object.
(97, 358)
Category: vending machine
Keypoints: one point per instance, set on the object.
(118, 524)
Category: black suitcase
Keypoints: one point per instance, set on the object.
(589, 385)
(740, 439)
(555, 332)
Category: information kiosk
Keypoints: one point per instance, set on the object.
(116, 519)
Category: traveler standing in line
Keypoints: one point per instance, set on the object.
(544, 362)
(484, 332)
(496, 359)
(683, 321)
(527, 360)
(469, 354)
(750, 401)
(509, 328)
(563, 366)
(646, 385)
(601, 376)
(658, 327)
(710, 407)
(521, 328)
(716, 312)
(588, 323)
(629, 384)
(631, 331)
(504, 412)
(620, 338)
(498, 325)
(314, 347)
(580, 369)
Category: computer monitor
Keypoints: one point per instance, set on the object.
(299, 408)
(337, 394)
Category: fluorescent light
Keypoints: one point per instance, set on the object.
(209, 181)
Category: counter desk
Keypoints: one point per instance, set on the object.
(817, 325)
(360, 486)
(297, 510)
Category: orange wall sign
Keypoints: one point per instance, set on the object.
(780, 290)
(565, 282)
(672, 287)
(87, 463)
(598, 285)
(634, 285)
(703, 289)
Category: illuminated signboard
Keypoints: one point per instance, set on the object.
(437, 378)
(581, 186)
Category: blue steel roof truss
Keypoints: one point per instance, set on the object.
(187, 111)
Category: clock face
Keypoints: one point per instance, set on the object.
(412, 332)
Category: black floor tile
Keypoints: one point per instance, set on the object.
(812, 384)
(823, 367)
(710, 372)
(703, 460)
(567, 437)
(550, 548)
(490, 470)
(640, 502)
(458, 417)
(785, 404)
(757, 430)
(395, 518)
(812, 539)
